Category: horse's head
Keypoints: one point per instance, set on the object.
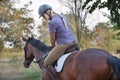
(28, 53)
(34, 49)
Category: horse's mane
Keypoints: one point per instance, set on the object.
(39, 45)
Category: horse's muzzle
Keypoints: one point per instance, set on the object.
(26, 65)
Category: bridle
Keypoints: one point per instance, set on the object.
(40, 60)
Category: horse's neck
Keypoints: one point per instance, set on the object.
(38, 55)
(40, 52)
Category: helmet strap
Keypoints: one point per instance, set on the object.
(49, 14)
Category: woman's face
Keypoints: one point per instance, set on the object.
(45, 16)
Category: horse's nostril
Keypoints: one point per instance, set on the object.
(26, 65)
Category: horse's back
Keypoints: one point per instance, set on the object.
(90, 64)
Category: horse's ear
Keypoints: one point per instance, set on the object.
(24, 39)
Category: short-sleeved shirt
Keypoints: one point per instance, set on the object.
(63, 35)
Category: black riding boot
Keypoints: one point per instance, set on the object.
(52, 72)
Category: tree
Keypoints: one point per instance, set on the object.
(112, 5)
(14, 22)
(104, 37)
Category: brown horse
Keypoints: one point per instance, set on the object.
(88, 64)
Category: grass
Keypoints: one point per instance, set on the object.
(16, 71)
(11, 67)
(33, 72)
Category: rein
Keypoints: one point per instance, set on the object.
(47, 67)
(41, 59)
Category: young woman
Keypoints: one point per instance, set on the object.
(61, 35)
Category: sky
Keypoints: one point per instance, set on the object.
(91, 20)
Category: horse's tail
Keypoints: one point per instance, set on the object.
(115, 63)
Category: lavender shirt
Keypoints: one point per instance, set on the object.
(62, 35)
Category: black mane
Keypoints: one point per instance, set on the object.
(39, 45)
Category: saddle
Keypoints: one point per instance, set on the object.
(71, 48)
(68, 50)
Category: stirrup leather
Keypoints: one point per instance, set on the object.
(53, 74)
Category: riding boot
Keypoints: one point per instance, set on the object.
(52, 72)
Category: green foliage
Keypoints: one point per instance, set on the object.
(101, 37)
(112, 5)
(17, 20)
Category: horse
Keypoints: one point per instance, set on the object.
(87, 64)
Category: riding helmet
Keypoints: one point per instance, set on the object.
(44, 8)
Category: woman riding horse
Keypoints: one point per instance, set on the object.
(60, 33)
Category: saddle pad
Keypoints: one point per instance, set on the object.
(61, 62)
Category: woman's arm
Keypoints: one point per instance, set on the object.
(52, 38)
